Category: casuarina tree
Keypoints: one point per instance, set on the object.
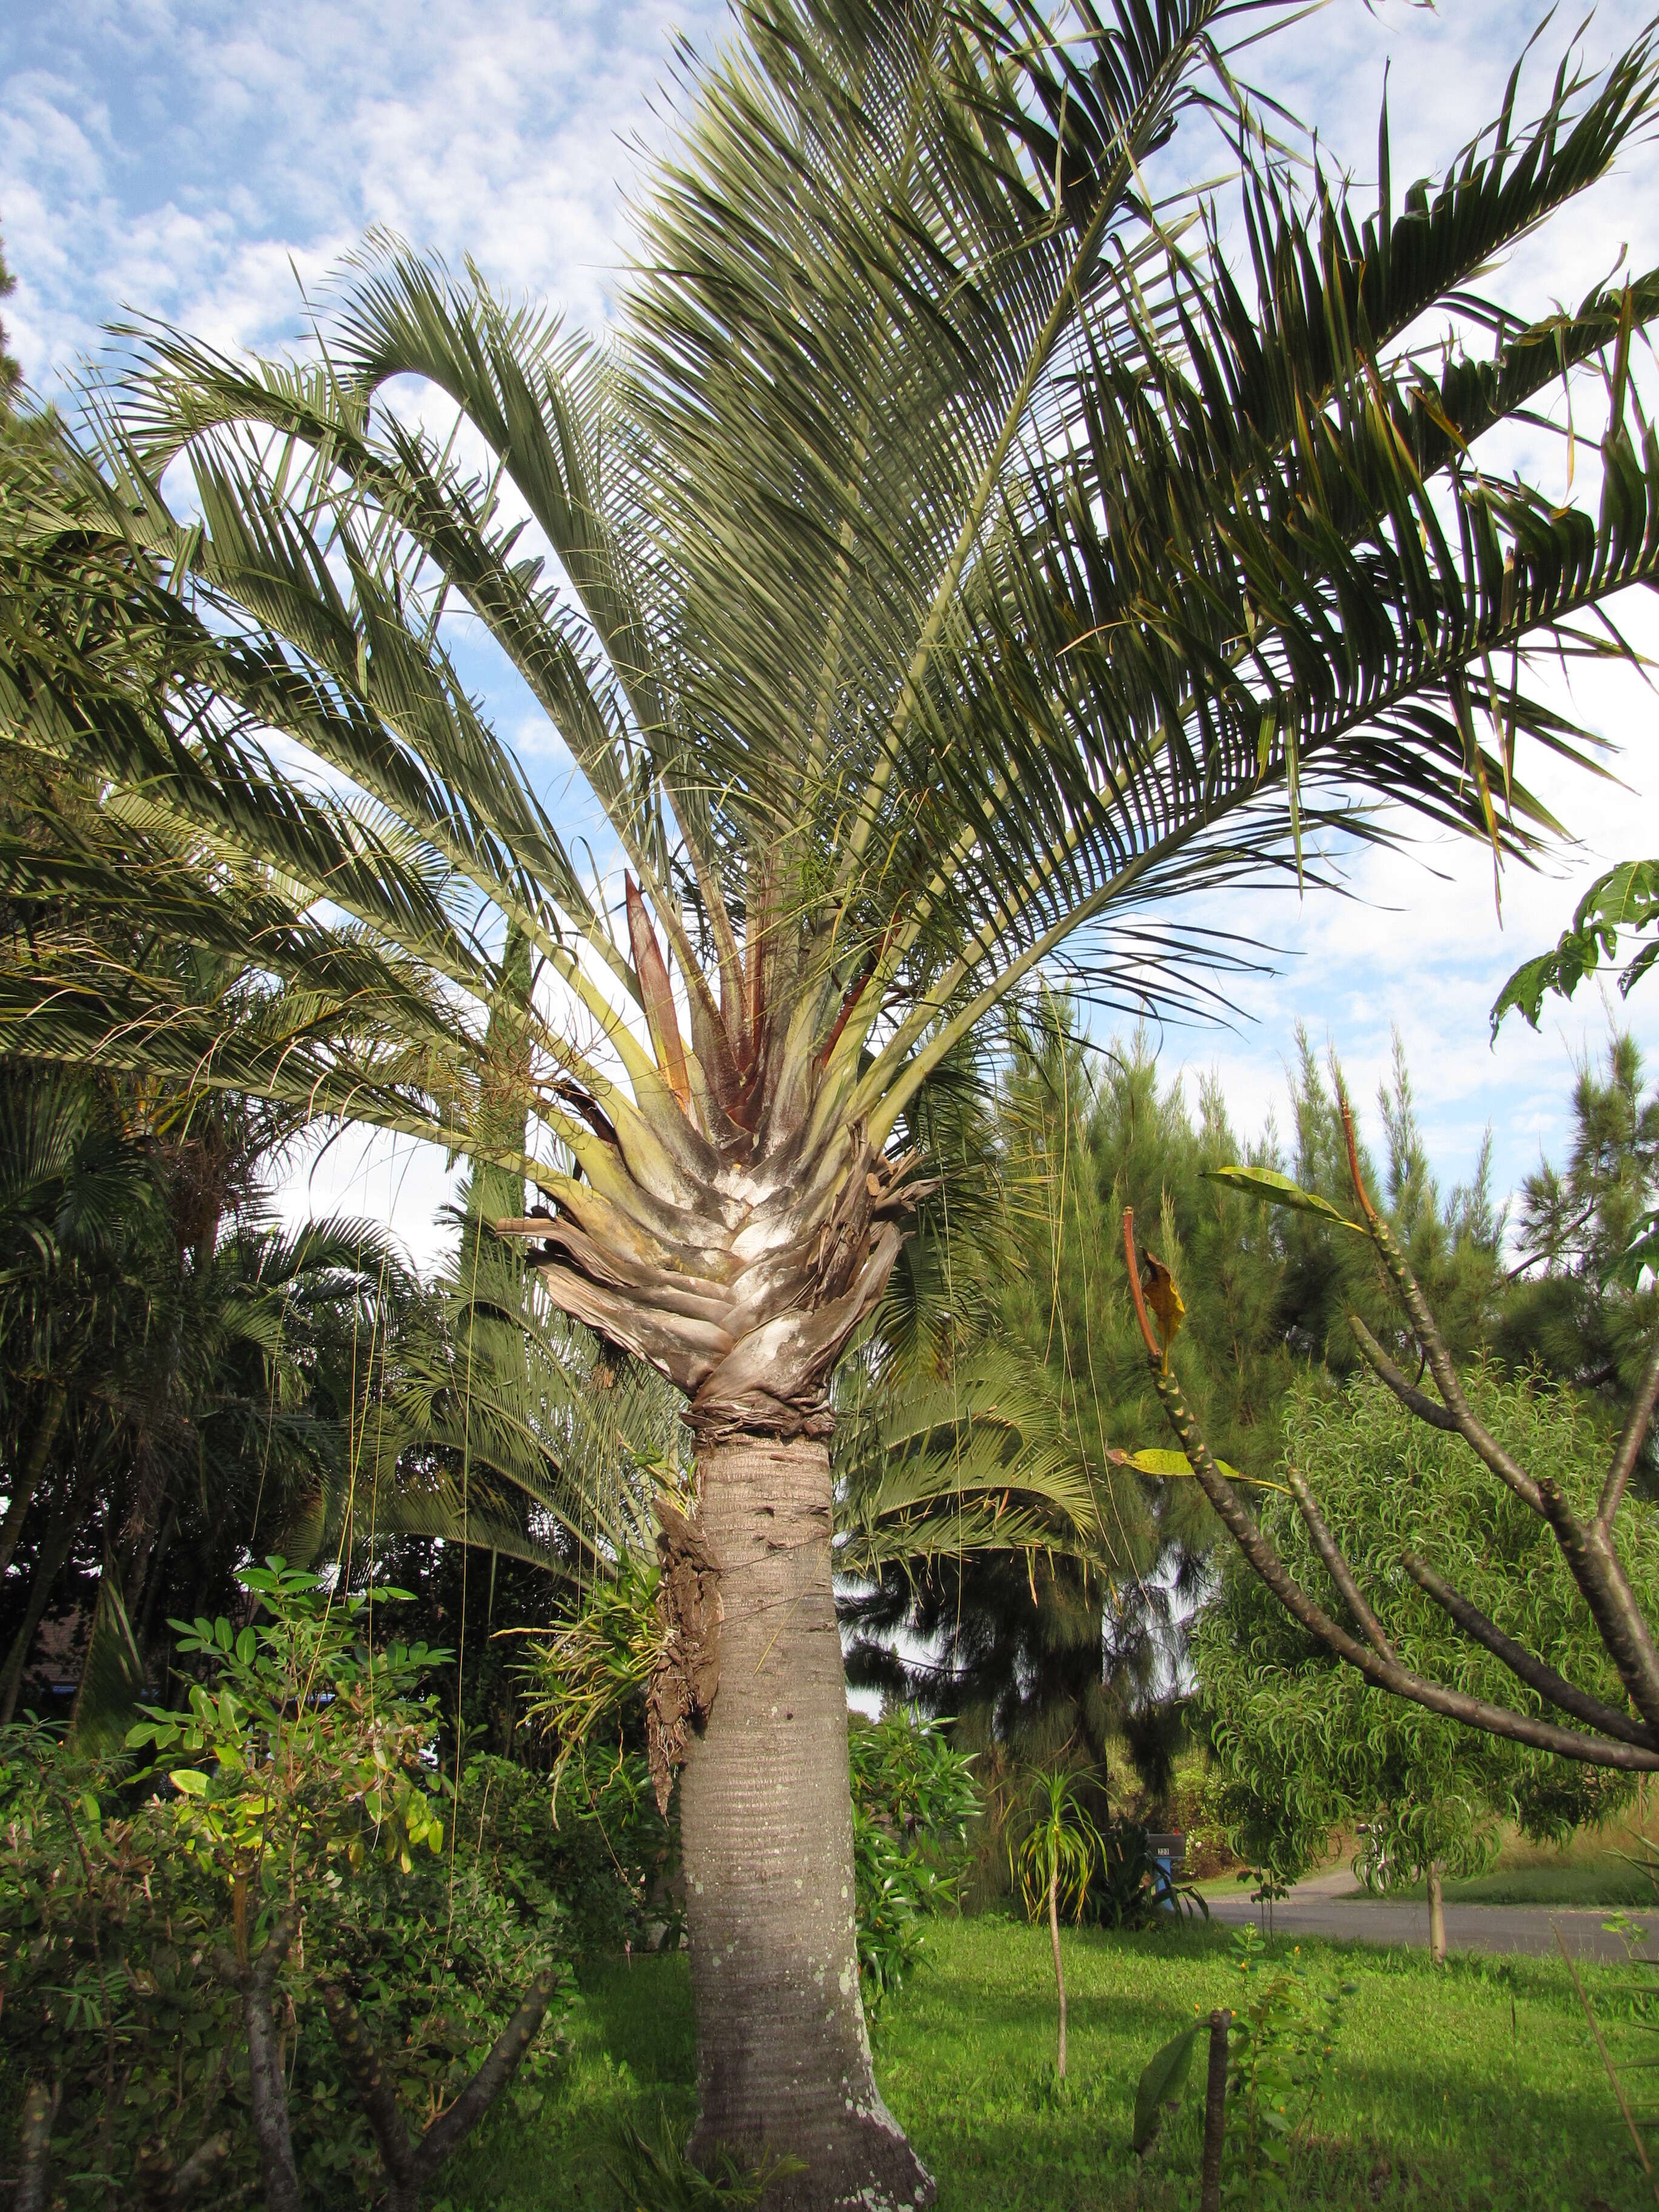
(951, 557)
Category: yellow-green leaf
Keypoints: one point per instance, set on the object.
(1174, 1463)
(1171, 1466)
(1278, 1190)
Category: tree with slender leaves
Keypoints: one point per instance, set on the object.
(952, 558)
(1304, 1746)
(1618, 1726)
(1052, 1862)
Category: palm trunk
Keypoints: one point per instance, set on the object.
(1436, 1916)
(46, 1435)
(59, 1543)
(783, 2059)
(1060, 1971)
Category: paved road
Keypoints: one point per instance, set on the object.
(1326, 1905)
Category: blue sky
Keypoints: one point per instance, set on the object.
(194, 161)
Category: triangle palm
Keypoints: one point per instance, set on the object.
(949, 562)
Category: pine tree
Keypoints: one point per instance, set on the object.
(1565, 1307)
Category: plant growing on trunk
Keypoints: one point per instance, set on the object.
(949, 561)
(1052, 1863)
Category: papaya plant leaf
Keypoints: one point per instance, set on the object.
(1626, 897)
(1162, 2080)
(1173, 1466)
(1278, 1190)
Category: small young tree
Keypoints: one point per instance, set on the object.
(1052, 1863)
(298, 1765)
(1598, 1550)
(1304, 1748)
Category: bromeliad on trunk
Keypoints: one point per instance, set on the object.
(945, 563)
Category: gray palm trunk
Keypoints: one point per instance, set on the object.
(744, 1295)
(783, 2059)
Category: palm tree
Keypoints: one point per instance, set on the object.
(950, 560)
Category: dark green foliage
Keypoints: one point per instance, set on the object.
(1128, 1888)
(912, 1799)
(108, 1930)
(1305, 1747)
(1574, 1307)
(174, 1368)
(1162, 2080)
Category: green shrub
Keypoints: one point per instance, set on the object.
(913, 1799)
(299, 1781)
(1280, 2045)
(1195, 1808)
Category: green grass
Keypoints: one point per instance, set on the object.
(1476, 2086)
(1591, 1871)
(1582, 1883)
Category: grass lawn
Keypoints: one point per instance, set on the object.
(1593, 1870)
(1580, 1882)
(1476, 2086)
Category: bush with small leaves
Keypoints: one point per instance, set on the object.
(288, 1912)
(913, 1798)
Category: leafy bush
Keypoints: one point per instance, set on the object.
(612, 1860)
(111, 2005)
(1194, 1807)
(1279, 2048)
(913, 1801)
(289, 1853)
(1279, 2045)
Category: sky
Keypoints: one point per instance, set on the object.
(204, 164)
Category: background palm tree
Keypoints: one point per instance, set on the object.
(951, 561)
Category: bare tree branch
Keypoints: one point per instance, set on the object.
(1414, 1400)
(1338, 1570)
(1428, 1334)
(1636, 1428)
(411, 2164)
(1520, 1662)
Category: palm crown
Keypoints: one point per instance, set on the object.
(948, 553)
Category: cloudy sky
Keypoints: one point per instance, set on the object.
(183, 159)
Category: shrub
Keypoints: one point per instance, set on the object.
(913, 1801)
(285, 1869)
